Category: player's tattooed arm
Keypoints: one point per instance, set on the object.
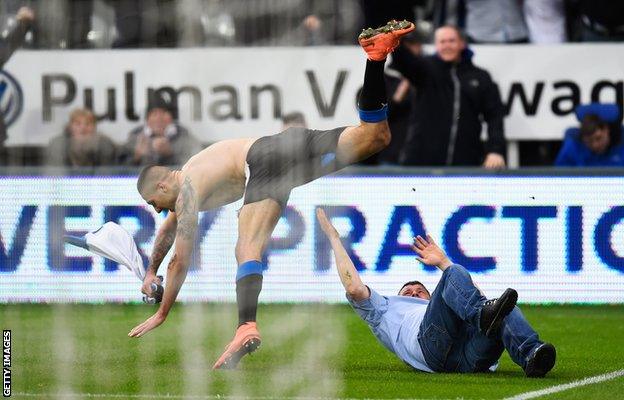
(346, 269)
(164, 241)
(186, 214)
(186, 209)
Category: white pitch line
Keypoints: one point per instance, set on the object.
(560, 388)
(522, 396)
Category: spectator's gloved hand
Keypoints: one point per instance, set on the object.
(25, 14)
(494, 161)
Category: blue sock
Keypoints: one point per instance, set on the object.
(375, 115)
(248, 287)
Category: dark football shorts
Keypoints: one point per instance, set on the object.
(279, 163)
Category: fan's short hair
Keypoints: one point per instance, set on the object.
(149, 175)
(462, 35)
(412, 283)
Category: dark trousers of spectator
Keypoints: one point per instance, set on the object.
(449, 334)
(377, 13)
(588, 35)
(137, 30)
(79, 24)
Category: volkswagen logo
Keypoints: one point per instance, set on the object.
(11, 98)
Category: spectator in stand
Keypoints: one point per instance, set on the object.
(453, 97)
(161, 141)
(602, 20)
(598, 141)
(546, 21)
(449, 12)
(79, 20)
(145, 25)
(495, 21)
(312, 31)
(81, 145)
(8, 45)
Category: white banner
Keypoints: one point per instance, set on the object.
(234, 92)
(563, 245)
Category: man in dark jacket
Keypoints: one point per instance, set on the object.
(453, 98)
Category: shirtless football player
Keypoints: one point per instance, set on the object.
(263, 171)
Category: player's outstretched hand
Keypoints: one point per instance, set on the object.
(430, 253)
(326, 226)
(152, 322)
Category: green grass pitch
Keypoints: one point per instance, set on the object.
(312, 351)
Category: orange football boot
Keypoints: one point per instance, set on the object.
(246, 340)
(379, 42)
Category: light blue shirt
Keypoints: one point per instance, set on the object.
(395, 321)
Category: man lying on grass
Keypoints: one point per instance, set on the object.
(455, 329)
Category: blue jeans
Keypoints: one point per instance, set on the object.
(450, 337)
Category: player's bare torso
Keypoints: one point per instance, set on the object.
(217, 173)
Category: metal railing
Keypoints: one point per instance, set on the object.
(372, 171)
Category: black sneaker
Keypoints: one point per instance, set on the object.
(541, 360)
(495, 310)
